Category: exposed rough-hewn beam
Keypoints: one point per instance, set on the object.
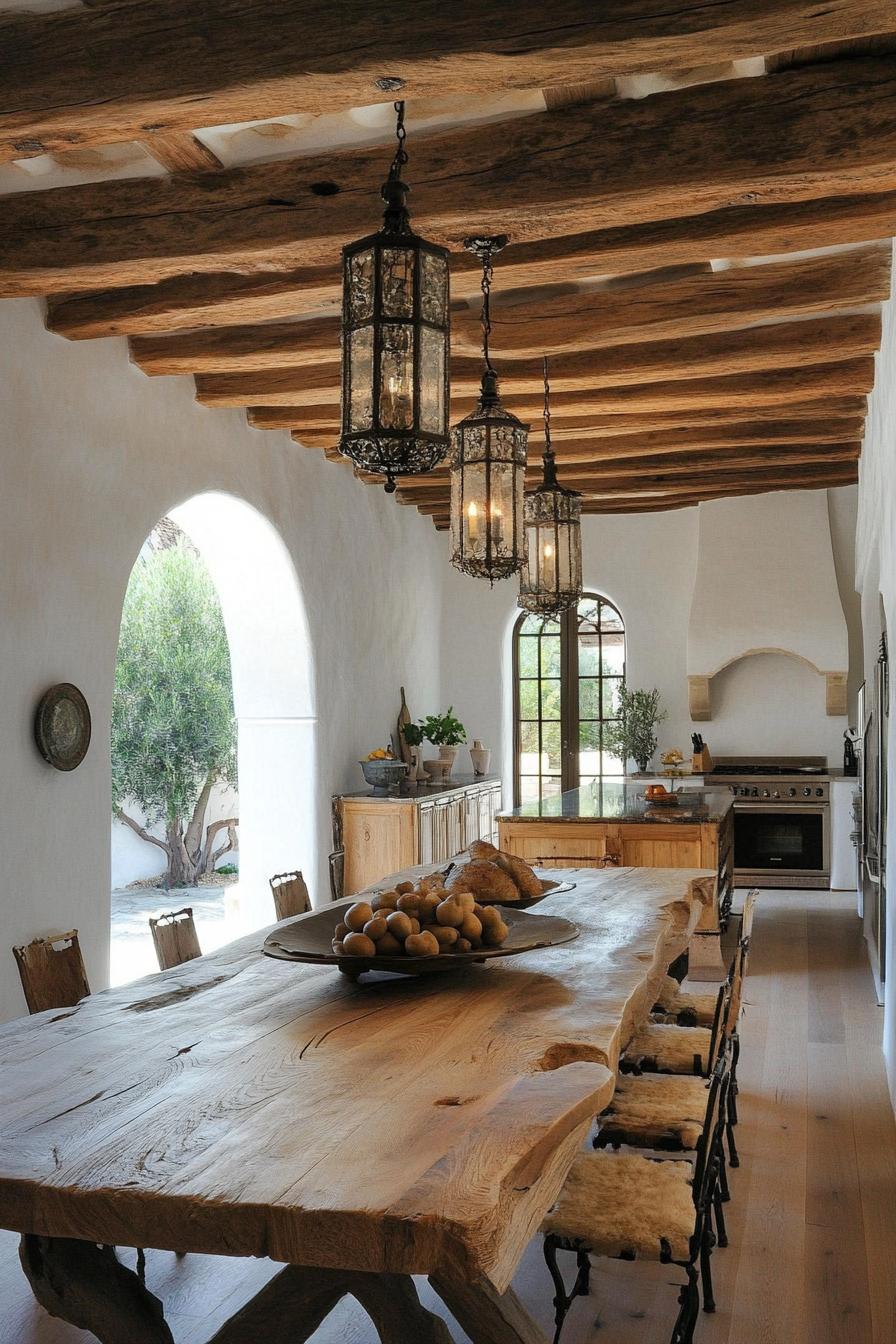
(825, 130)
(711, 467)
(694, 305)
(228, 299)
(651, 452)
(319, 427)
(181, 152)
(785, 345)
(625, 489)
(72, 78)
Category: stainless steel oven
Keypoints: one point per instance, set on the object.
(782, 819)
(785, 844)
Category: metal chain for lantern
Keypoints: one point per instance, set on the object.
(395, 341)
(488, 464)
(551, 577)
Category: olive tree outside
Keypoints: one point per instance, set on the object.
(173, 725)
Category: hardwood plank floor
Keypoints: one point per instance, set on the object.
(812, 1221)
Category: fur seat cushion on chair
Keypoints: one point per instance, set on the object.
(625, 1206)
(672, 1001)
(670, 1049)
(656, 1108)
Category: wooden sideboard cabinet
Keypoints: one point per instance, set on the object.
(385, 834)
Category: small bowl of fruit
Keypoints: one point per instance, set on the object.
(382, 770)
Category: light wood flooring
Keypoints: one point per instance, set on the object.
(812, 1220)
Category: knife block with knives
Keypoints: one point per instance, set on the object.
(701, 761)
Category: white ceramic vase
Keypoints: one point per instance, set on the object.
(449, 756)
(481, 757)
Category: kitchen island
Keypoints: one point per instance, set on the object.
(614, 825)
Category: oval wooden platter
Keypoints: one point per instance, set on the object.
(309, 939)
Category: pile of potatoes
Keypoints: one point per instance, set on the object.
(421, 920)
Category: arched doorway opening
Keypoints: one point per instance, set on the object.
(273, 698)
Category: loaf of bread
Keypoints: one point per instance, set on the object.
(487, 881)
(523, 877)
(529, 885)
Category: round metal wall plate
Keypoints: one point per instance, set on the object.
(62, 726)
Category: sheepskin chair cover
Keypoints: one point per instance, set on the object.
(672, 1000)
(625, 1206)
(657, 1107)
(671, 1049)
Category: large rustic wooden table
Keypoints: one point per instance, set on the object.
(360, 1133)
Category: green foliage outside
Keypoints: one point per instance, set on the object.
(173, 725)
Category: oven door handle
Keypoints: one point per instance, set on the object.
(768, 805)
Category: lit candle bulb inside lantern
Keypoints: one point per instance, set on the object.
(497, 526)
(548, 565)
(473, 521)
(397, 404)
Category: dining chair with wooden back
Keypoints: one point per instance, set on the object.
(631, 1207)
(52, 972)
(290, 894)
(175, 938)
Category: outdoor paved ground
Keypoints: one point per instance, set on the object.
(132, 953)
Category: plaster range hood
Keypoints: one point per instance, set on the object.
(766, 583)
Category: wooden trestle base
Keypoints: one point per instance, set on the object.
(87, 1286)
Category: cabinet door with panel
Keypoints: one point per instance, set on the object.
(426, 831)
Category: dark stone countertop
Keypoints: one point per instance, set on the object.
(455, 784)
(621, 802)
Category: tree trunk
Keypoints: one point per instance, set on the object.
(183, 870)
(193, 837)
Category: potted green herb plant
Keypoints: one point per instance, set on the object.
(446, 732)
(414, 735)
(633, 733)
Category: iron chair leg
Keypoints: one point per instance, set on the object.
(721, 1230)
(689, 1309)
(706, 1244)
(733, 1156)
(562, 1299)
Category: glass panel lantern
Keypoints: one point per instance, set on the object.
(395, 344)
(551, 577)
(488, 472)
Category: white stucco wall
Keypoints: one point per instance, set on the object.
(792, 603)
(646, 565)
(92, 454)
(876, 580)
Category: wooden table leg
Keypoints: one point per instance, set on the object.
(290, 1308)
(489, 1317)
(87, 1286)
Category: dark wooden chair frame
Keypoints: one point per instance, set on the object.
(61, 980)
(697, 1265)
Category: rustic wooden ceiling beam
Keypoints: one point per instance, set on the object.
(803, 134)
(229, 299)
(648, 452)
(71, 78)
(785, 345)
(694, 305)
(821, 476)
(181, 152)
(318, 427)
(708, 466)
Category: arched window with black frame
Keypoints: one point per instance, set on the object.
(566, 673)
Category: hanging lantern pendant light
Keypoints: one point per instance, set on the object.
(395, 334)
(488, 465)
(551, 578)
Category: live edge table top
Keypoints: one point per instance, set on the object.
(240, 1105)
